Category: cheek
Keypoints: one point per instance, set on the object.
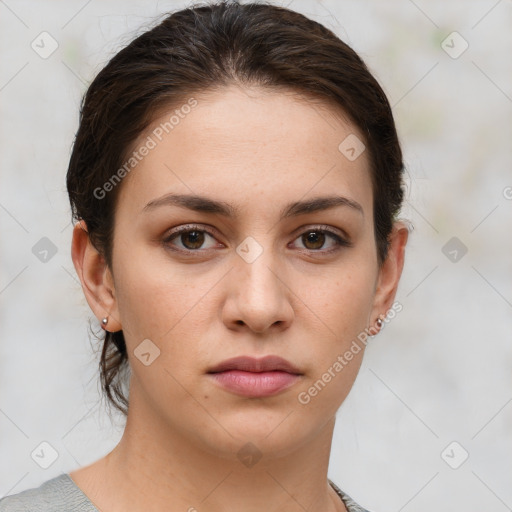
(159, 300)
(341, 304)
(341, 297)
(158, 303)
(337, 361)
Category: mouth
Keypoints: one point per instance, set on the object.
(251, 377)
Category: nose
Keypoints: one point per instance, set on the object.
(259, 296)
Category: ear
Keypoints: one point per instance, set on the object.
(96, 278)
(389, 273)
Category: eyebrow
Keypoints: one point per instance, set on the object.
(207, 205)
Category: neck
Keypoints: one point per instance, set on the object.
(157, 468)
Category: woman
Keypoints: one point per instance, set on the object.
(236, 179)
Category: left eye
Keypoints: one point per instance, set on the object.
(316, 238)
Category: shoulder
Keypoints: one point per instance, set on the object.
(350, 504)
(60, 494)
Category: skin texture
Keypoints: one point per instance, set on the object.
(296, 300)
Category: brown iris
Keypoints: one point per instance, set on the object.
(315, 237)
(196, 238)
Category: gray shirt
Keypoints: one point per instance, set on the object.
(61, 494)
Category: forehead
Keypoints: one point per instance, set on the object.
(240, 143)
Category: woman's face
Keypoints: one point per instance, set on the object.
(258, 273)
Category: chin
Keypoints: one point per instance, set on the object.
(267, 434)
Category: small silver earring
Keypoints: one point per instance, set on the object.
(105, 321)
(379, 322)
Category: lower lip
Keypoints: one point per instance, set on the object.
(253, 384)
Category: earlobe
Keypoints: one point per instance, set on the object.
(390, 271)
(95, 277)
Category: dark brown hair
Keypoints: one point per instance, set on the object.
(206, 47)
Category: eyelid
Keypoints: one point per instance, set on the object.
(323, 227)
(184, 228)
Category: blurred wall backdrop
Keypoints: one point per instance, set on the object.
(428, 423)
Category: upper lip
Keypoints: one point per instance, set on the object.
(252, 364)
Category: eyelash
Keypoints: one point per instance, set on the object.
(340, 241)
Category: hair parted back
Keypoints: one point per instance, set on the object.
(209, 46)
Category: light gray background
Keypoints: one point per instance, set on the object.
(439, 372)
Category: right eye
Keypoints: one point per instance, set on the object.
(190, 236)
